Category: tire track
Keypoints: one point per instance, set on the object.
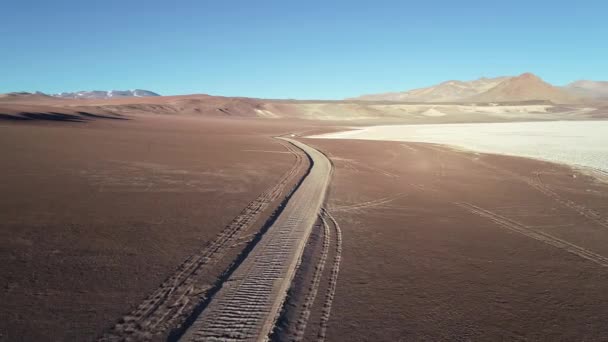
(333, 281)
(537, 235)
(169, 305)
(409, 147)
(302, 322)
(542, 188)
(346, 164)
(352, 165)
(249, 301)
(368, 204)
(582, 210)
(539, 186)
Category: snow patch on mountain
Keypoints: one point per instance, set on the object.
(102, 94)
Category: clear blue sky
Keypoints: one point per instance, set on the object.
(294, 49)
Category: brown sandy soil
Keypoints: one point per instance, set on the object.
(96, 215)
(436, 244)
(445, 245)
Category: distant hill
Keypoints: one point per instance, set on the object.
(525, 87)
(448, 91)
(24, 96)
(102, 94)
(590, 89)
(21, 107)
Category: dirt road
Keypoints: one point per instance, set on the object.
(249, 302)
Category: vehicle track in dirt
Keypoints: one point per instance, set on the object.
(306, 312)
(537, 184)
(579, 208)
(356, 166)
(333, 278)
(176, 298)
(249, 301)
(535, 234)
(316, 281)
(369, 204)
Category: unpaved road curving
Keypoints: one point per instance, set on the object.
(249, 302)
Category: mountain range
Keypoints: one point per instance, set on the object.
(103, 94)
(443, 92)
(525, 87)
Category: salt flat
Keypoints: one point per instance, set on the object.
(580, 143)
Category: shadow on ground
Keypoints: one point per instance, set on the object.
(53, 116)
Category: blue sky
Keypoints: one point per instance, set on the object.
(294, 49)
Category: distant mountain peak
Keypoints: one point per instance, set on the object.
(525, 87)
(105, 94)
(528, 75)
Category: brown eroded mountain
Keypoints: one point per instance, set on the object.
(449, 91)
(525, 87)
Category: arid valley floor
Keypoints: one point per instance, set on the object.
(118, 226)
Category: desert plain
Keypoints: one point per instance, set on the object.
(122, 219)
